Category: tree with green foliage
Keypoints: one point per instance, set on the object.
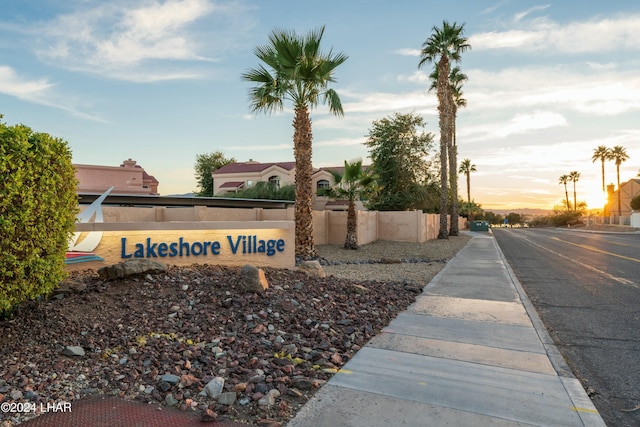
(38, 207)
(354, 184)
(618, 154)
(492, 217)
(470, 209)
(399, 152)
(635, 203)
(299, 72)
(574, 177)
(514, 218)
(565, 217)
(205, 165)
(446, 44)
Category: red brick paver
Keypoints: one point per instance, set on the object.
(104, 411)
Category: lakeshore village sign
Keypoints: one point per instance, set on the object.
(261, 243)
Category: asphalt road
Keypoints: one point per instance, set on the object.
(586, 289)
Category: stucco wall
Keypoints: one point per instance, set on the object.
(329, 227)
(126, 179)
(399, 226)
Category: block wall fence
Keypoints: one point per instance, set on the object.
(329, 227)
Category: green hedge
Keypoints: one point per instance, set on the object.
(38, 207)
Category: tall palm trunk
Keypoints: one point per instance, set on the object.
(566, 193)
(619, 191)
(470, 213)
(351, 242)
(302, 140)
(445, 135)
(603, 159)
(468, 174)
(453, 174)
(575, 200)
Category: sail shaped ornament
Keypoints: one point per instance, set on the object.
(81, 250)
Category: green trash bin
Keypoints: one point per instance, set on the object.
(479, 226)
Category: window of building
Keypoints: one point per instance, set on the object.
(274, 181)
(322, 185)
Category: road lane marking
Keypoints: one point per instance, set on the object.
(587, 266)
(591, 248)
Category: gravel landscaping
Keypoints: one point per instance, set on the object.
(190, 338)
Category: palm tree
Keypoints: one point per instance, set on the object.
(574, 176)
(354, 184)
(456, 79)
(564, 179)
(299, 72)
(601, 153)
(443, 46)
(618, 154)
(466, 168)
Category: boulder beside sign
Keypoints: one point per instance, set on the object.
(260, 243)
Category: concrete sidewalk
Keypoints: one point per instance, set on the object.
(470, 351)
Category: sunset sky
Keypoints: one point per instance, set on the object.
(159, 82)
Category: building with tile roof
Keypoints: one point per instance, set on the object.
(237, 176)
(128, 178)
(628, 190)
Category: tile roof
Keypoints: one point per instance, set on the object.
(249, 167)
(232, 184)
(243, 167)
(151, 178)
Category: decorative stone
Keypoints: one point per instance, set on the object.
(73, 351)
(228, 398)
(312, 268)
(188, 380)
(359, 289)
(170, 400)
(164, 386)
(131, 267)
(170, 378)
(72, 286)
(253, 279)
(213, 389)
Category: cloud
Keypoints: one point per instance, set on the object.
(520, 124)
(126, 40)
(408, 52)
(14, 85)
(387, 102)
(519, 16)
(39, 91)
(619, 33)
(569, 88)
(523, 123)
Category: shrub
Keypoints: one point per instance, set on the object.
(635, 203)
(38, 205)
(566, 218)
(265, 190)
